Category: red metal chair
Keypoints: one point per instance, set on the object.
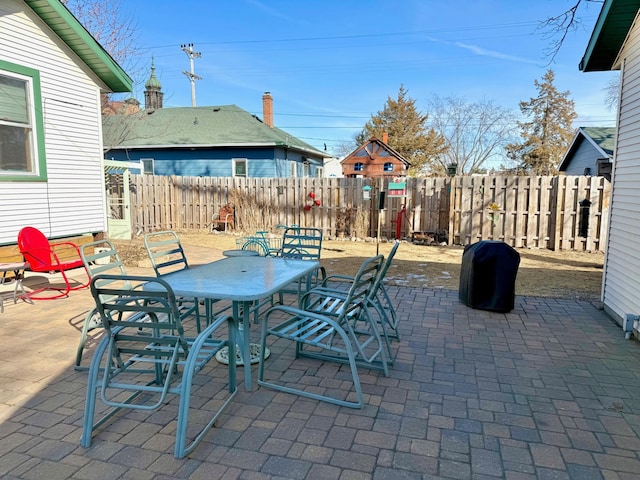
(43, 256)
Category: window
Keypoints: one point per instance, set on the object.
(147, 166)
(319, 172)
(21, 132)
(388, 167)
(239, 167)
(358, 167)
(294, 170)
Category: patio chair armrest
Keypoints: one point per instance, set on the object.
(293, 311)
(337, 277)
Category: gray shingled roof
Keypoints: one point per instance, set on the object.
(219, 126)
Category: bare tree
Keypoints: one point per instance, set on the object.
(111, 27)
(344, 148)
(474, 132)
(612, 92)
(557, 27)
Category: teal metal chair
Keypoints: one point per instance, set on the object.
(304, 244)
(330, 325)
(146, 356)
(99, 258)
(167, 255)
(380, 300)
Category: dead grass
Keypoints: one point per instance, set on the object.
(564, 274)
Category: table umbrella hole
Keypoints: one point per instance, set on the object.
(254, 355)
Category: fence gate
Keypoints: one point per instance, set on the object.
(117, 183)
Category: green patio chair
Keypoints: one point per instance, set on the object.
(380, 300)
(167, 255)
(333, 326)
(303, 244)
(99, 257)
(145, 356)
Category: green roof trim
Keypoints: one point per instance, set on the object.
(197, 127)
(608, 36)
(71, 31)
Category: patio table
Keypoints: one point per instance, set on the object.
(243, 281)
(17, 268)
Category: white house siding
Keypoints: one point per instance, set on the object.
(72, 200)
(621, 284)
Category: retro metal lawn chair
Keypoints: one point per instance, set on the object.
(47, 257)
(145, 356)
(330, 326)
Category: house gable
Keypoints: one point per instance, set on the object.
(590, 147)
(374, 158)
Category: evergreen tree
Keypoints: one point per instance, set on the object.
(548, 133)
(407, 133)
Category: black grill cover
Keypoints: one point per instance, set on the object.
(488, 276)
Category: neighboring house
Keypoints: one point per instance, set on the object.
(615, 45)
(215, 141)
(374, 159)
(333, 167)
(590, 152)
(52, 72)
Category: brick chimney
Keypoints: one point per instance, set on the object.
(267, 109)
(385, 137)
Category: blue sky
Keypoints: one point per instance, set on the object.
(331, 64)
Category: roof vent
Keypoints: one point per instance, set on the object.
(216, 109)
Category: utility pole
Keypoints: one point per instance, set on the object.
(188, 49)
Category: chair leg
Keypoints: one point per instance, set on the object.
(92, 391)
(359, 403)
(89, 324)
(182, 449)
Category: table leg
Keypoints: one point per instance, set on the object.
(242, 317)
(19, 286)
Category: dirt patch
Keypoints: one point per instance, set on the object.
(545, 273)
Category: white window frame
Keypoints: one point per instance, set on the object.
(390, 164)
(36, 171)
(144, 163)
(319, 172)
(294, 169)
(235, 162)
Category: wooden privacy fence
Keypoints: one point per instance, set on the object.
(523, 211)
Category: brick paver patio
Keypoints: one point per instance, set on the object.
(550, 390)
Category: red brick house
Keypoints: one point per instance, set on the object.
(374, 159)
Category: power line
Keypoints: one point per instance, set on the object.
(366, 35)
